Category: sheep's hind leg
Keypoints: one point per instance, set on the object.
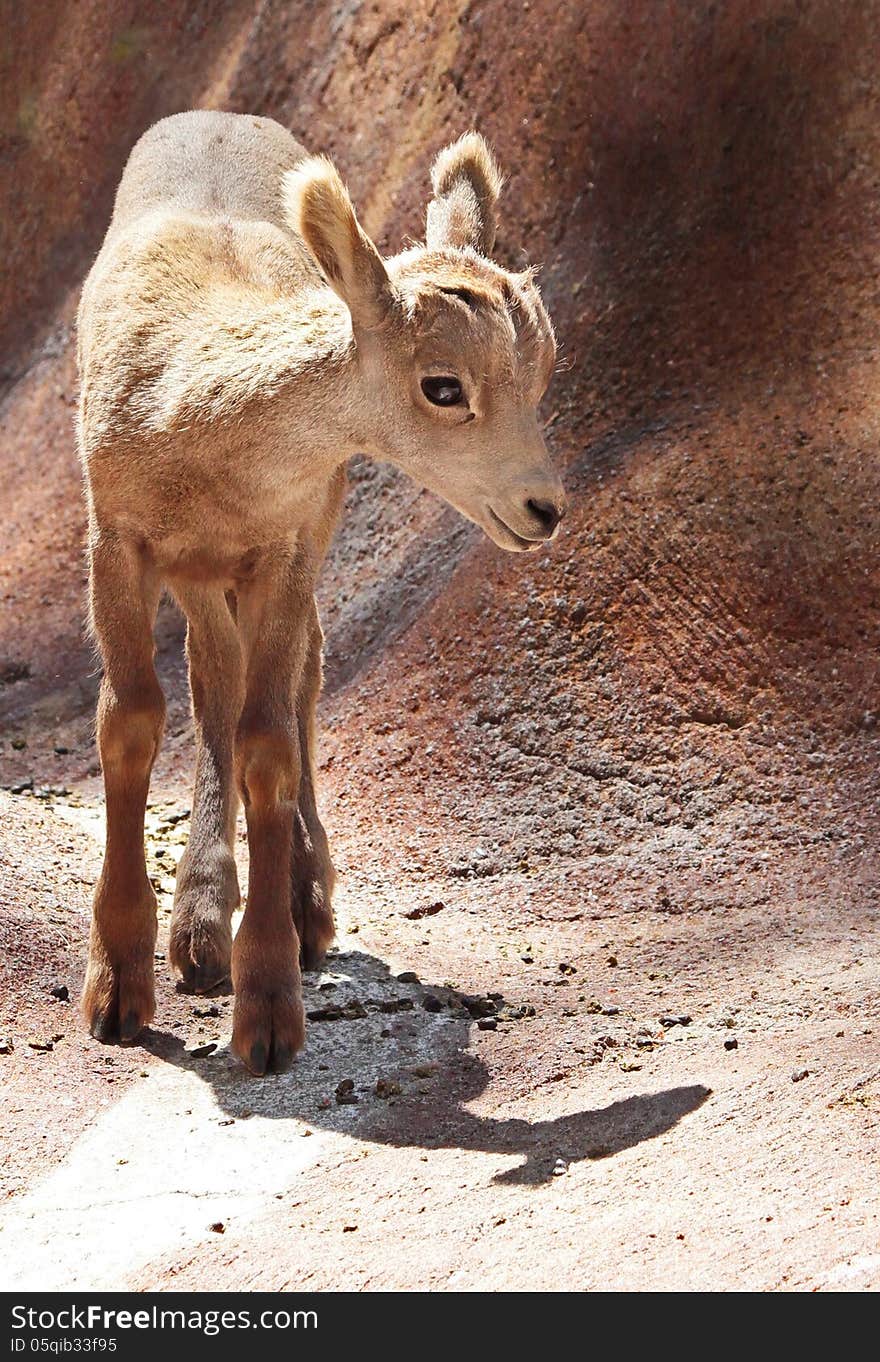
(207, 892)
(312, 870)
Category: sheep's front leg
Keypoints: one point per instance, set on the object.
(268, 1022)
(206, 892)
(312, 870)
(119, 995)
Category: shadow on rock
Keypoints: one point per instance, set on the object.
(387, 1060)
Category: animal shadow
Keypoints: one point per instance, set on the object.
(387, 1060)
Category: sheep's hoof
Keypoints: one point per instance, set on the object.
(118, 1001)
(268, 1029)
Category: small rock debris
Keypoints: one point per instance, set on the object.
(345, 1093)
(353, 1010)
(511, 1012)
(425, 910)
(479, 1007)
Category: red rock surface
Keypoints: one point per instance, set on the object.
(655, 743)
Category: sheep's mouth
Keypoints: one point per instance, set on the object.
(517, 543)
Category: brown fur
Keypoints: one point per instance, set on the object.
(240, 337)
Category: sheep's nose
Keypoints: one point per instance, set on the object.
(546, 513)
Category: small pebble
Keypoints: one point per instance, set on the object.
(487, 1023)
(345, 1093)
(560, 1168)
(676, 1019)
(479, 1007)
(427, 911)
(510, 1012)
(6, 1045)
(202, 1051)
(408, 976)
(396, 1005)
(799, 1075)
(431, 1003)
(217, 1227)
(61, 992)
(732, 1044)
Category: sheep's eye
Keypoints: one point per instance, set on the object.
(443, 392)
(463, 293)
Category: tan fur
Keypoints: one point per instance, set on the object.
(467, 185)
(240, 337)
(319, 209)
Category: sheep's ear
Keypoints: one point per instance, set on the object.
(467, 183)
(317, 206)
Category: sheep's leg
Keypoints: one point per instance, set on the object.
(268, 1023)
(119, 995)
(207, 891)
(312, 870)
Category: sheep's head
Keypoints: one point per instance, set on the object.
(454, 352)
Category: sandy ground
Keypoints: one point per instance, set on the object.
(606, 986)
(589, 1145)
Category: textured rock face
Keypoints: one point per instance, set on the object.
(699, 188)
(663, 729)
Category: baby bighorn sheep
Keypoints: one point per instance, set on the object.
(240, 338)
